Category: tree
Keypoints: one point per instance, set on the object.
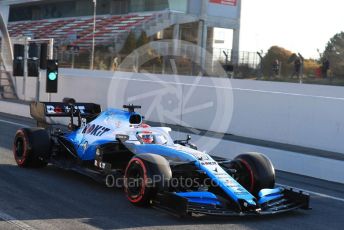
(334, 52)
(129, 45)
(142, 40)
(286, 59)
(310, 67)
(282, 55)
(103, 57)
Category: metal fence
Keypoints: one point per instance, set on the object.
(250, 59)
(249, 63)
(105, 59)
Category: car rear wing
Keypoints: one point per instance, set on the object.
(40, 111)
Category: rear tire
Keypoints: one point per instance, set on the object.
(255, 172)
(31, 147)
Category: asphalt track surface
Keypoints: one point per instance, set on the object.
(52, 198)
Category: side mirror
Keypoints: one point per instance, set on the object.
(186, 142)
(122, 138)
(193, 146)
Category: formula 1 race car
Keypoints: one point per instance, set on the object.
(118, 148)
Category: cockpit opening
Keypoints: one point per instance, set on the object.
(148, 137)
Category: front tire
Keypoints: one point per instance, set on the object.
(255, 172)
(30, 147)
(136, 182)
(145, 175)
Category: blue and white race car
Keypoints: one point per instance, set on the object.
(117, 148)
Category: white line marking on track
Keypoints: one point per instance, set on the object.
(13, 123)
(13, 221)
(315, 193)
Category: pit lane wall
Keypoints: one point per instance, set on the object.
(298, 114)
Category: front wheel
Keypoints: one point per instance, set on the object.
(136, 182)
(254, 171)
(30, 147)
(146, 175)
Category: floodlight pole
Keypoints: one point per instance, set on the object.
(93, 33)
(260, 70)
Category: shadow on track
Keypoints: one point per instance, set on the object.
(52, 193)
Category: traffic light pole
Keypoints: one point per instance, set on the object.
(26, 56)
(51, 56)
(26, 41)
(49, 97)
(51, 48)
(38, 83)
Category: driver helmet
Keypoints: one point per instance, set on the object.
(146, 137)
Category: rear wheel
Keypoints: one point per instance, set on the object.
(31, 147)
(254, 171)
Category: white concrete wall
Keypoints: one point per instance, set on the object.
(299, 114)
(305, 115)
(307, 165)
(14, 108)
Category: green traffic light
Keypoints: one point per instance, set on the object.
(52, 76)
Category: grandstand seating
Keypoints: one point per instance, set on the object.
(78, 31)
